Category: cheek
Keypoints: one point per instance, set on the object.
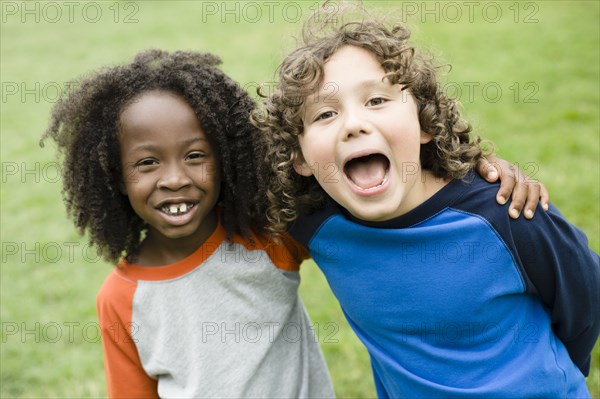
(212, 173)
(127, 179)
(135, 191)
(210, 177)
(315, 150)
(321, 159)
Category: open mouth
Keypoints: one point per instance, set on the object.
(177, 209)
(367, 172)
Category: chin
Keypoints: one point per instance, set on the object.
(374, 216)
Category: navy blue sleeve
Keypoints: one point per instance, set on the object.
(565, 274)
(303, 229)
(556, 264)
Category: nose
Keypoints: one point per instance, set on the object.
(174, 178)
(355, 124)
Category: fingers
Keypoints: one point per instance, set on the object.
(526, 196)
(489, 170)
(537, 193)
(533, 197)
(509, 184)
(525, 192)
(519, 194)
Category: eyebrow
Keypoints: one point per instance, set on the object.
(374, 82)
(323, 96)
(152, 147)
(367, 84)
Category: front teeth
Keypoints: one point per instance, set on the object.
(177, 209)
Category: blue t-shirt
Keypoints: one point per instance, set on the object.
(455, 299)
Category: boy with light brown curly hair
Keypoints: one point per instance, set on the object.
(451, 296)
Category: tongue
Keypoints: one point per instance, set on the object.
(367, 172)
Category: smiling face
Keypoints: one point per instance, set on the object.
(170, 169)
(362, 139)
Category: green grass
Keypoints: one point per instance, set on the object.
(548, 52)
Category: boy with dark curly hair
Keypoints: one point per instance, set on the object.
(451, 296)
(163, 170)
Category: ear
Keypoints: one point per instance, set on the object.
(425, 138)
(301, 167)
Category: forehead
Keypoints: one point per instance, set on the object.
(159, 116)
(155, 105)
(350, 65)
(348, 68)
(348, 58)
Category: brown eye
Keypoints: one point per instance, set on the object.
(147, 162)
(375, 101)
(196, 155)
(325, 115)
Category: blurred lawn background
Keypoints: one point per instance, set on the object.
(527, 74)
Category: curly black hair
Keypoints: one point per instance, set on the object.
(85, 126)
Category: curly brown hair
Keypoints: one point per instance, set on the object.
(450, 154)
(85, 126)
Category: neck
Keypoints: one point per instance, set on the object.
(157, 250)
(424, 188)
(431, 185)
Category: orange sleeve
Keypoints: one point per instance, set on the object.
(298, 251)
(286, 255)
(125, 376)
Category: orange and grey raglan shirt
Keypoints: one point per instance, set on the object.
(226, 321)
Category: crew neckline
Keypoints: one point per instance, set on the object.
(177, 269)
